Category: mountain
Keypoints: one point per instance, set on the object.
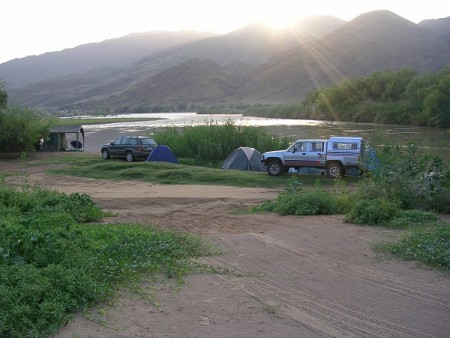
(378, 40)
(106, 55)
(251, 65)
(252, 45)
(174, 85)
(440, 26)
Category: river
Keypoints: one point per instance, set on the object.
(434, 141)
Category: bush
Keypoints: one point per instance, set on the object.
(411, 218)
(405, 175)
(305, 203)
(51, 266)
(39, 205)
(20, 129)
(296, 201)
(429, 245)
(377, 211)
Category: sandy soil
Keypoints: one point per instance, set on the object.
(277, 277)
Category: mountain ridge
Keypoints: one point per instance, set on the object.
(252, 65)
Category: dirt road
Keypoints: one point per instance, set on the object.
(277, 277)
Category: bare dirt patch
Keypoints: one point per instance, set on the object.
(277, 277)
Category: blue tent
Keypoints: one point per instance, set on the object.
(162, 154)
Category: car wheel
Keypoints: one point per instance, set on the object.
(335, 170)
(129, 156)
(105, 154)
(275, 168)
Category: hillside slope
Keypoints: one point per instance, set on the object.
(108, 54)
(252, 65)
(378, 40)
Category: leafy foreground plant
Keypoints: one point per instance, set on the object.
(51, 266)
(412, 179)
(426, 244)
(296, 201)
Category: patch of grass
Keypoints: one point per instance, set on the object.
(302, 203)
(93, 166)
(426, 244)
(376, 211)
(52, 263)
(412, 218)
(298, 201)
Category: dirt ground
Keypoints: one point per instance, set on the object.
(278, 276)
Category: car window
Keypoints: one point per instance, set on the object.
(317, 146)
(345, 145)
(300, 146)
(117, 140)
(148, 141)
(132, 141)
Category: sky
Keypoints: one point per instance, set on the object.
(33, 27)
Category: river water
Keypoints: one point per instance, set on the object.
(434, 141)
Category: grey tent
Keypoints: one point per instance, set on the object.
(57, 140)
(244, 158)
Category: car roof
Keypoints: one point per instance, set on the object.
(310, 140)
(135, 136)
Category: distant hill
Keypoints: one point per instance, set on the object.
(252, 45)
(109, 54)
(174, 85)
(379, 40)
(251, 65)
(440, 26)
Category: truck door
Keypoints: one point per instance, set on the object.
(306, 154)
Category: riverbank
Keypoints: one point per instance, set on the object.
(435, 141)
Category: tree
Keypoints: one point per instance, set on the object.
(437, 104)
(3, 96)
(20, 129)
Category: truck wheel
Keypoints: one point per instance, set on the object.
(275, 168)
(129, 156)
(335, 170)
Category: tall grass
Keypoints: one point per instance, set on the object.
(214, 141)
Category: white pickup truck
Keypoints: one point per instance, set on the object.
(334, 155)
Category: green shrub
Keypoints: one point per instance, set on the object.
(296, 201)
(411, 218)
(414, 180)
(51, 266)
(40, 203)
(20, 129)
(428, 244)
(306, 203)
(377, 211)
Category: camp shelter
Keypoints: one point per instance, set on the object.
(162, 154)
(65, 137)
(244, 158)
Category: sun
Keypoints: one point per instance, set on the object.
(279, 21)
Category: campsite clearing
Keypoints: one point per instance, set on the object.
(277, 276)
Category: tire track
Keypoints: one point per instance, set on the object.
(302, 299)
(367, 275)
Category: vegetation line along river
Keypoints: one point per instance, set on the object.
(435, 141)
